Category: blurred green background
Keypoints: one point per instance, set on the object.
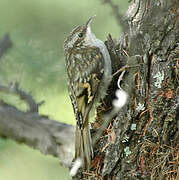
(38, 29)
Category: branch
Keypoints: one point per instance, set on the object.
(39, 132)
(14, 89)
(5, 44)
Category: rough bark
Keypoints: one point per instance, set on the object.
(146, 144)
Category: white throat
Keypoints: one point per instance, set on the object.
(91, 40)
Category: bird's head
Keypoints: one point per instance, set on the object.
(80, 36)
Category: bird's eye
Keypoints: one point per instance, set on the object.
(80, 35)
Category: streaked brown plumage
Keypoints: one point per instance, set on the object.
(89, 70)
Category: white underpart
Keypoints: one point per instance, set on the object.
(91, 40)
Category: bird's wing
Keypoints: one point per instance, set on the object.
(85, 79)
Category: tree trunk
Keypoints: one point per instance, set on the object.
(142, 141)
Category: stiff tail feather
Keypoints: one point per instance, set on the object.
(83, 146)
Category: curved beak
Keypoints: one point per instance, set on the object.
(89, 21)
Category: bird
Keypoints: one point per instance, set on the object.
(88, 66)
